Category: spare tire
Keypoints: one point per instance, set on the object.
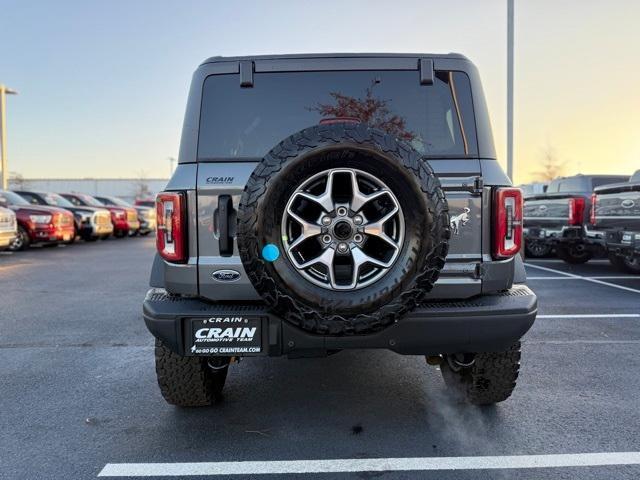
(356, 227)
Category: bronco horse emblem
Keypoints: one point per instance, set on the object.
(459, 220)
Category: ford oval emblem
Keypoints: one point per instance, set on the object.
(226, 275)
(628, 203)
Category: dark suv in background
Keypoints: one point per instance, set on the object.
(615, 222)
(559, 218)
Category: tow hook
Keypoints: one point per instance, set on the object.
(458, 361)
(219, 363)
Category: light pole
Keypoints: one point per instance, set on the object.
(4, 91)
(171, 162)
(510, 8)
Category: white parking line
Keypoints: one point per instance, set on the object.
(586, 279)
(555, 260)
(593, 315)
(597, 277)
(369, 465)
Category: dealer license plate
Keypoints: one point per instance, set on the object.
(226, 335)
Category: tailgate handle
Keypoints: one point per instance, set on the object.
(225, 241)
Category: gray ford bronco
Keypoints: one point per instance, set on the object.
(332, 202)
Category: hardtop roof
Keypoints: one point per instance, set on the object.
(289, 56)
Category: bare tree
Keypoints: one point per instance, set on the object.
(552, 166)
(369, 109)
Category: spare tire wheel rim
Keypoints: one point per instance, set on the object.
(343, 229)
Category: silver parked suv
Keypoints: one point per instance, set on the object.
(332, 202)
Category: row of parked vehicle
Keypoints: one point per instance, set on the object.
(585, 216)
(28, 218)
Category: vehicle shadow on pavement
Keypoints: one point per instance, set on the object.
(351, 400)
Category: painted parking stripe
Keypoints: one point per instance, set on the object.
(597, 277)
(586, 279)
(369, 465)
(593, 315)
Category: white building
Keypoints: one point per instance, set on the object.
(126, 188)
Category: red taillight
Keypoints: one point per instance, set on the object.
(171, 232)
(507, 222)
(576, 211)
(594, 202)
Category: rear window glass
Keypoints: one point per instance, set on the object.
(57, 200)
(435, 119)
(10, 198)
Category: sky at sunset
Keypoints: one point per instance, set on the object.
(103, 85)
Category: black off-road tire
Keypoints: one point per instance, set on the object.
(344, 145)
(22, 240)
(625, 264)
(574, 254)
(187, 381)
(490, 379)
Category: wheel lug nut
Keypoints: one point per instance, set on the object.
(326, 238)
(342, 211)
(357, 238)
(358, 220)
(326, 220)
(343, 247)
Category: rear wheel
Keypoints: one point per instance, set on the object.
(574, 254)
(626, 264)
(119, 233)
(22, 240)
(189, 381)
(482, 378)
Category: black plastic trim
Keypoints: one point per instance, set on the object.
(425, 66)
(225, 242)
(246, 74)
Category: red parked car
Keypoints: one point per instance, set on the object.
(37, 223)
(125, 219)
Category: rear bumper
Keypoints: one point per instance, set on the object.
(482, 324)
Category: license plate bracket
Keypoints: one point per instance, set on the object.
(227, 335)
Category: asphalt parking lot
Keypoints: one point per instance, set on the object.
(78, 393)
